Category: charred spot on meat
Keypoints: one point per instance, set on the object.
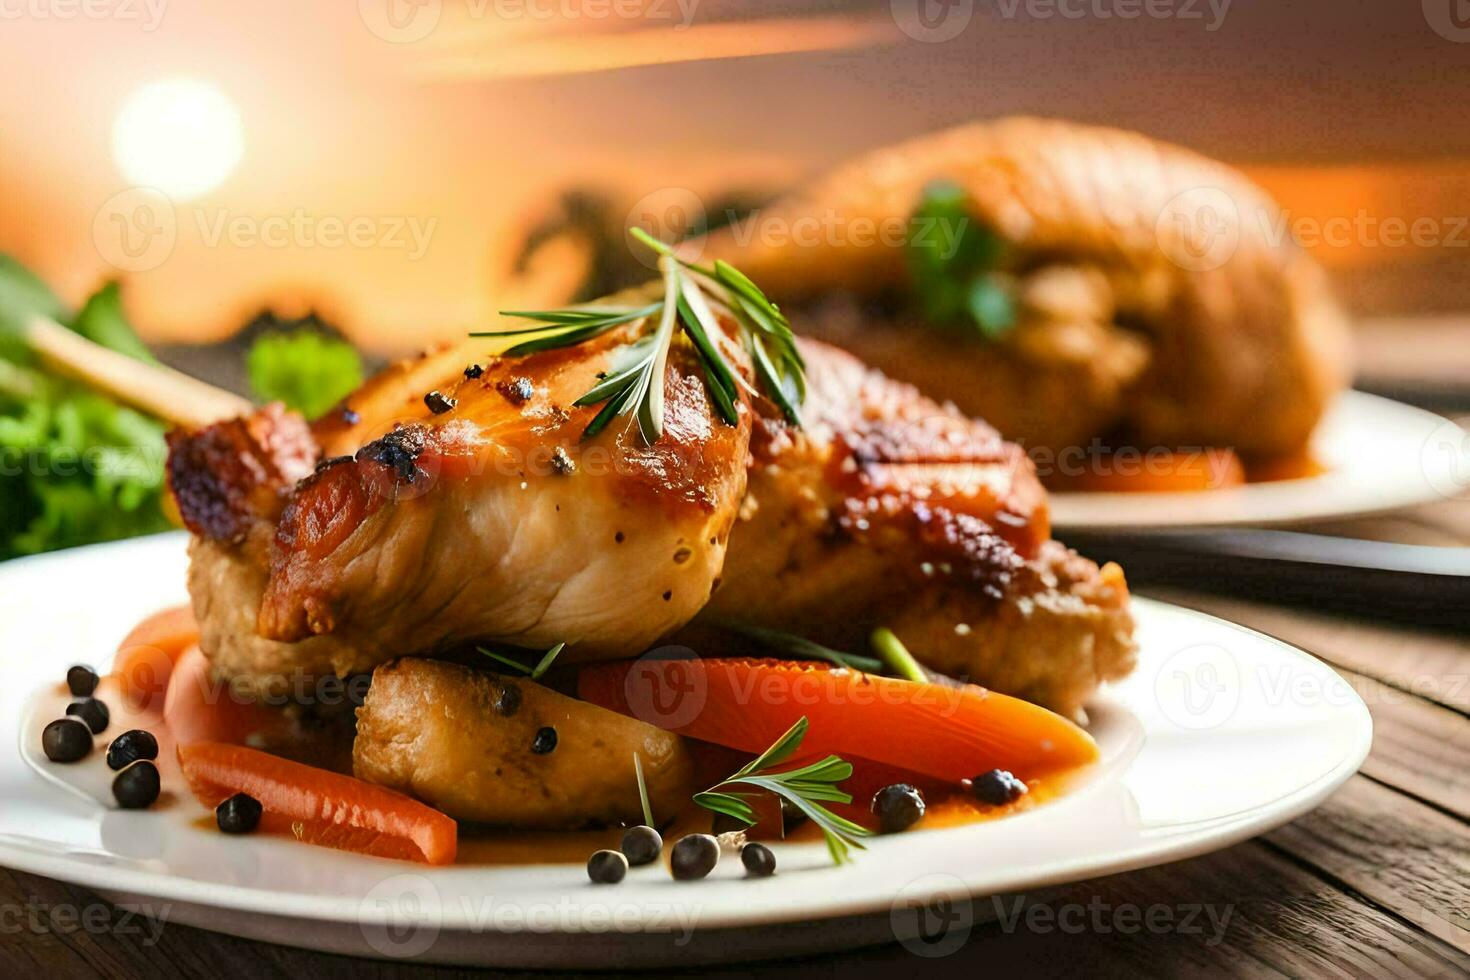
(517, 391)
(399, 450)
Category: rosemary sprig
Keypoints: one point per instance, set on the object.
(800, 646)
(582, 323)
(805, 788)
(635, 385)
(542, 665)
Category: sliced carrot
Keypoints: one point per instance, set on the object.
(945, 732)
(146, 657)
(1181, 472)
(199, 708)
(320, 807)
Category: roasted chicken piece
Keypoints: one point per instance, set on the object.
(479, 514)
(405, 524)
(1151, 299)
(889, 509)
(511, 752)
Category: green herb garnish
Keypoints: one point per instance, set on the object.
(800, 646)
(896, 655)
(805, 788)
(954, 260)
(642, 790)
(635, 385)
(305, 368)
(77, 466)
(535, 672)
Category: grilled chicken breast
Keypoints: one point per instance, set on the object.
(890, 509)
(474, 514)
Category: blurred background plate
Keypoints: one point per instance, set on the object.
(1378, 455)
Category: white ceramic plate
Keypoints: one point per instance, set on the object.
(1221, 734)
(1380, 455)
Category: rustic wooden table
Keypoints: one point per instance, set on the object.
(1375, 882)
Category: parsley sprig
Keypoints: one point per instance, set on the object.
(692, 294)
(956, 264)
(805, 788)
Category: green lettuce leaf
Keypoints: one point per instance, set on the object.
(304, 368)
(75, 467)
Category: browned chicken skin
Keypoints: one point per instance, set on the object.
(489, 521)
(1152, 299)
(493, 521)
(889, 509)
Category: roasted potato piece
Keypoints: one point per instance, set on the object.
(510, 752)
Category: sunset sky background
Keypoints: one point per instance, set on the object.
(463, 119)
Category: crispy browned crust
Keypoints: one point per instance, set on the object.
(229, 476)
(502, 427)
(890, 509)
(1246, 345)
(492, 520)
(897, 465)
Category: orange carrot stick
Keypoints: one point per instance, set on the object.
(199, 708)
(948, 733)
(146, 657)
(320, 807)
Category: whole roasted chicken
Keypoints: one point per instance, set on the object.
(1063, 282)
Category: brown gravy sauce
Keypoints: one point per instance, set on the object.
(284, 732)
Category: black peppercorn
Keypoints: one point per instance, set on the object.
(129, 747)
(758, 860)
(66, 740)
(508, 700)
(607, 867)
(81, 680)
(93, 712)
(545, 740)
(136, 787)
(473, 371)
(642, 845)
(694, 856)
(517, 391)
(997, 787)
(898, 807)
(240, 814)
(439, 403)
